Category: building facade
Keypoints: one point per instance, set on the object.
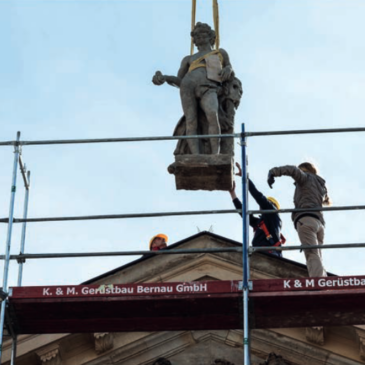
(295, 346)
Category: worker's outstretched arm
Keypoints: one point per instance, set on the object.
(253, 221)
(296, 173)
(260, 198)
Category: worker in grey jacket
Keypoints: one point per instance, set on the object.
(310, 192)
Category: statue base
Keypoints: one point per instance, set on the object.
(203, 172)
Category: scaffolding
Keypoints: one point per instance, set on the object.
(244, 287)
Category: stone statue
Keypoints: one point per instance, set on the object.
(162, 361)
(274, 359)
(221, 362)
(229, 97)
(210, 95)
(200, 79)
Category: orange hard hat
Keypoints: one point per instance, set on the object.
(161, 235)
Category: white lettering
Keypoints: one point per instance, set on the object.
(203, 287)
(139, 289)
(46, 291)
(71, 291)
(179, 288)
(309, 283)
(322, 282)
(85, 290)
(286, 284)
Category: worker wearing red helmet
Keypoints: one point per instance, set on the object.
(158, 242)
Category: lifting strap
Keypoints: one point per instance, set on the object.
(193, 16)
(199, 62)
(215, 21)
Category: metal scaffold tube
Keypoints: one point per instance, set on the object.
(24, 228)
(118, 216)
(245, 250)
(304, 131)
(298, 210)
(169, 214)
(24, 256)
(115, 140)
(163, 138)
(8, 242)
(26, 178)
(245, 256)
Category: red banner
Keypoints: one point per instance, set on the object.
(155, 289)
(327, 283)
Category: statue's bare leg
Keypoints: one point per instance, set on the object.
(190, 108)
(209, 104)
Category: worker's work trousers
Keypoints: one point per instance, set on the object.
(311, 232)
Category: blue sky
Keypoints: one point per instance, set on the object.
(83, 69)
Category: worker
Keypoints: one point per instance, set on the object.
(267, 227)
(310, 192)
(158, 242)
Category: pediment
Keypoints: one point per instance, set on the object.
(184, 267)
(186, 347)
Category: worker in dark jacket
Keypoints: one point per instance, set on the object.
(267, 227)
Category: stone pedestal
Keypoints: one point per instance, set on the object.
(203, 172)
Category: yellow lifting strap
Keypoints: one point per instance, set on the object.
(198, 62)
(215, 21)
(193, 16)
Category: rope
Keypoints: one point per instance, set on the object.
(193, 16)
(216, 22)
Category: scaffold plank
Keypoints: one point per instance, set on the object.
(128, 307)
(276, 303)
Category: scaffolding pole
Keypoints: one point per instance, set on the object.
(245, 256)
(162, 138)
(26, 179)
(119, 216)
(169, 214)
(21, 260)
(246, 250)
(8, 242)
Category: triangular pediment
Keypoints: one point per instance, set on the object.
(184, 267)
